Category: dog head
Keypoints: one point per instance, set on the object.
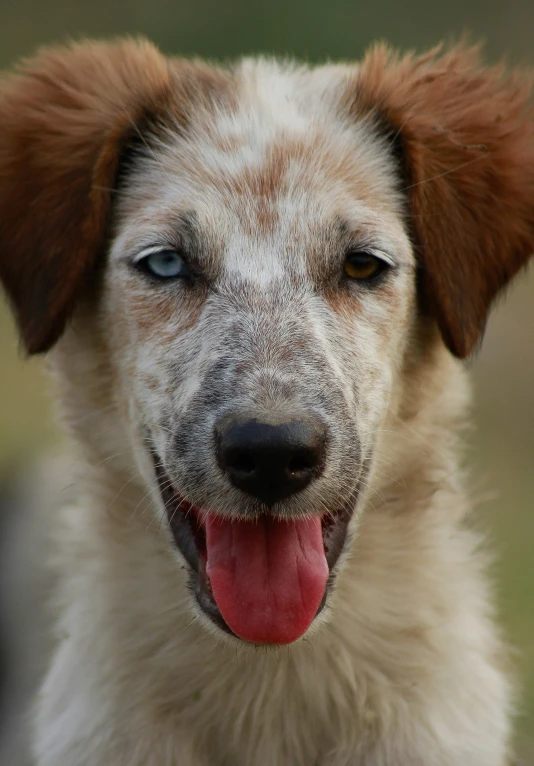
(246, 260)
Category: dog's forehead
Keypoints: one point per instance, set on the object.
(273, 169)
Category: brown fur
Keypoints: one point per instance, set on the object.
(467, 137)
(58, 166)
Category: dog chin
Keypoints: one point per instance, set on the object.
(265, 579)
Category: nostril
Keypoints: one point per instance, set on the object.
(304, 461)
(242, 462)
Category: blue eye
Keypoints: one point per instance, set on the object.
(164, 264)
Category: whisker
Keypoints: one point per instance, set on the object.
(446, 172)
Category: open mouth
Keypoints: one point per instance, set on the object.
(262, 580)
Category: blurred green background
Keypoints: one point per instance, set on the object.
(502, 447)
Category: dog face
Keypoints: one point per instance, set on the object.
(263, 364)
(278, 243)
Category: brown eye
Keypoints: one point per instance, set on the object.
(364, 266)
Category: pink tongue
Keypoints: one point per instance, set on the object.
(267, 576)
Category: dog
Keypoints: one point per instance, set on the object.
(256, 286)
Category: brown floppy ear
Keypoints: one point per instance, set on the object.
(64, 118)
(466, 135)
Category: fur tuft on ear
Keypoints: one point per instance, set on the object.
(64, 118)
(466, 137)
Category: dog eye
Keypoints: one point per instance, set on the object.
(364, 266)
(164, 264)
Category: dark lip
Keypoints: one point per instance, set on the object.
(189, 538)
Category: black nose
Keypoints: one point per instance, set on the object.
(268, 461)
